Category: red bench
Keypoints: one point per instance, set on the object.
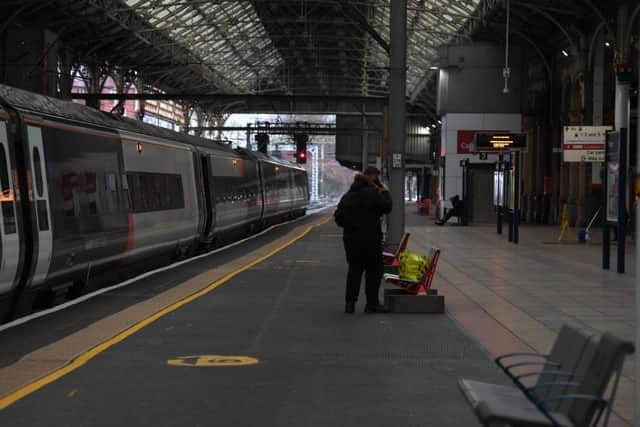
(424, 206)
(422, 286)
(391, 251)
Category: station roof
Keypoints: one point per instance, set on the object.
(336, 48)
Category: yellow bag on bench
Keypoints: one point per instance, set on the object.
(412, 266)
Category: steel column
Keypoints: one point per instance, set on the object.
(397, 116)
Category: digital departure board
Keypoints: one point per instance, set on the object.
(499, 142)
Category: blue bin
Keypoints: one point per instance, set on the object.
(582, 236)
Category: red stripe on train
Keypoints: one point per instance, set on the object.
(130, 238)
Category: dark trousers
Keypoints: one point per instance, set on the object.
(367, 258)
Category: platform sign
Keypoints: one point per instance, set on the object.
(584, 143)
(396, 160)
(499, 142)
(465, 139)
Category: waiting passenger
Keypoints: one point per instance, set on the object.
(359, 212)
(456, 210)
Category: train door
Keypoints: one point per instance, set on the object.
(9, 238)
(210, 207)
(40, 197)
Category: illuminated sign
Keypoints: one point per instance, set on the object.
(499, 142)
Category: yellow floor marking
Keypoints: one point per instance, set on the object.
(212, 360)
(84, 358)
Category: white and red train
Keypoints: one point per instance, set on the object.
(85, 193)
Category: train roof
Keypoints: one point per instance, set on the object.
(70, 111)
(268, 159)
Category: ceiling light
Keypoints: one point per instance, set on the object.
(607, 44)
(433, 126)
(433, 68)
(565, 53)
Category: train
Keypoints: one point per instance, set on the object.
(88, 197)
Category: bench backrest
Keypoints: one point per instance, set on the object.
(402, 246)
(569, 348)
(596, 370)
(430, 271)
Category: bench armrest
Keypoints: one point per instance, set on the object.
(498, 359)
(509, 368)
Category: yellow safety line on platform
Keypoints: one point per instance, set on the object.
(84, 358)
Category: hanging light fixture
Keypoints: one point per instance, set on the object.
(506, 71)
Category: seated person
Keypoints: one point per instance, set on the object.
(456, 210)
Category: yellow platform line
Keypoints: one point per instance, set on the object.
(95, 351)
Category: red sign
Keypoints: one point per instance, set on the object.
(592, 147)
(465, 138)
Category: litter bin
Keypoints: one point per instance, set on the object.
(582, 236)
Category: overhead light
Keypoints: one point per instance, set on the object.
(565, 53)
(439, 122)
(433, 125)
(433, 67)
(607, 44)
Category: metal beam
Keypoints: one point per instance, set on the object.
(361, 20)
(287, 130)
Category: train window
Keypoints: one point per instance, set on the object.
(111, 192)
(4, 172)
(37, 168)
(6, 198)
(126, 200)
(155, 191)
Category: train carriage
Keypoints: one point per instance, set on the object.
(102, 191)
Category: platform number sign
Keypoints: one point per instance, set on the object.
(209, 360)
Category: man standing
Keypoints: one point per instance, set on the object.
(359, 213)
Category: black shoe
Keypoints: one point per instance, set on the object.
(350, 307)
(375, 308)
(439, 223)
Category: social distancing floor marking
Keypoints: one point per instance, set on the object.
(100, 348)
(209, 360)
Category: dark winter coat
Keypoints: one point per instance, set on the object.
(360, 210)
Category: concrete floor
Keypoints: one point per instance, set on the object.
(515, 297)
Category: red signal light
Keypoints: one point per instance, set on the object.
(301, 157)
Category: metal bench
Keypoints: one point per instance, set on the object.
(422, 286)
(571, 385)
(391, 251)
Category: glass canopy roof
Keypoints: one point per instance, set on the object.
(316, 47)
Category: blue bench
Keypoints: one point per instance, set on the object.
(570, 386)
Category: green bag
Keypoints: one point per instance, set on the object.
(412, 266)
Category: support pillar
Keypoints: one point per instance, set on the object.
(598, 103)
(637, 213)
(397, 114)
(365, 139)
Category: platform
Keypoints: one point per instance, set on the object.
(316, 365)
(143, 354)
